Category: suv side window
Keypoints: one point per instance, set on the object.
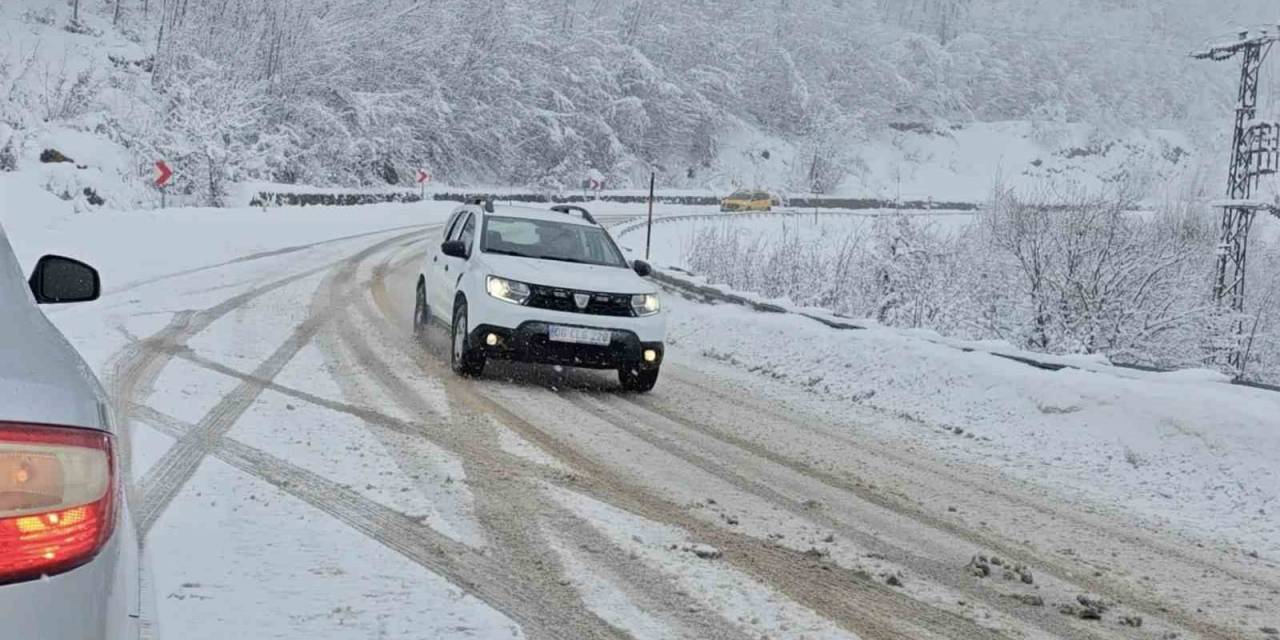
(468, 233)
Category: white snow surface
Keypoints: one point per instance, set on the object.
(964, 163)
(256, 563)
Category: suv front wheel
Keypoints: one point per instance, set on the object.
(464, 360)
(637, 379)
(421, 312)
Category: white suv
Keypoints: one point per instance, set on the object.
(544, 286)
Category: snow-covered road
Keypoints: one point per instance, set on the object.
(303, 468)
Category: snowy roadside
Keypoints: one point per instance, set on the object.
(1175, 452)
(1181, 450)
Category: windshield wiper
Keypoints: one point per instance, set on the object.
(563, 259)
(509, 253)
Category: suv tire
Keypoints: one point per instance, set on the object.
(464, 360)
(637, 380)
(421, 312)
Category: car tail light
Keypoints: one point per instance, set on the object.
(58, 498)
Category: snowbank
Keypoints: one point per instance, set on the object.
(1179, 451)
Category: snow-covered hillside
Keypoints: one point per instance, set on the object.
(77, 116)
(617, 97)
(966, 162)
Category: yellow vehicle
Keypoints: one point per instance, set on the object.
(748, 201)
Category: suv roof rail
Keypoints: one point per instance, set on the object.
(573, 208)
(482, 201)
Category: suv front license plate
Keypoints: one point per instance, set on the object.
(579, 335)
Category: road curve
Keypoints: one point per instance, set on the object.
(846, 536)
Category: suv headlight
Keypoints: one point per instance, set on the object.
(645, 304)
(507, 290)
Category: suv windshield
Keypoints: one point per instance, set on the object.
(548, 240)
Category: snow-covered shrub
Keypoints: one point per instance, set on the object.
(66, 97)
(1086, 273)
(1060, 272)
(810, 270)
(8, 156)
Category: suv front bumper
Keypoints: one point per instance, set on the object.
(530, 342)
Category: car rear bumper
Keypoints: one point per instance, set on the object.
(530, 342)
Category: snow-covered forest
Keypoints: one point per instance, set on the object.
(538, 92)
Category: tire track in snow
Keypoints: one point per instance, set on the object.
(926, 615)
(850, 600)
(661, 595)
(726, 453)
(131, 374)
(507, 509)
(845, 597)
(1194, 569)
(471, 570)
(175, 468)
(648, 588)
(272, 253)
(172, 471)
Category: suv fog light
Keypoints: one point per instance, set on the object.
(650, 355)
(491, 339)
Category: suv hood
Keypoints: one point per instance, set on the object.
(567, 275)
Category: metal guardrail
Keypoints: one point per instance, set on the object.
(283, 199)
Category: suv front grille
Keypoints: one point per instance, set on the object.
(598, 304)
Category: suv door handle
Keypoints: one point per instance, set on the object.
(435, 258)
(446, 268)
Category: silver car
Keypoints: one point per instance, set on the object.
(68, 553)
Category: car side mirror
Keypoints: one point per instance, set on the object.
(454, 249)
(58, 280)
(642, 268)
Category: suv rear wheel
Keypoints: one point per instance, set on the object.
(464, 360)
(638, 380)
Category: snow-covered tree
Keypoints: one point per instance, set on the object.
(536, 92)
